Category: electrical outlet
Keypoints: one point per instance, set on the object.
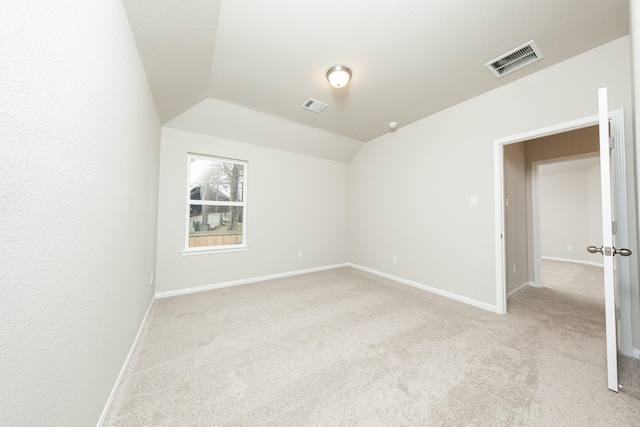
(569, 247)
(514, 269)
(394, 259)
(151, 281)
(300, 255)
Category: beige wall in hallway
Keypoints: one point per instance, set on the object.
(563, 145)
(570, 213)
(518, 185)
(567, 144)
(515, 216)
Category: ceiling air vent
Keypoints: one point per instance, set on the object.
(313, 105)
(517, 58)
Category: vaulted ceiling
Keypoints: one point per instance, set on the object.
(410, 58)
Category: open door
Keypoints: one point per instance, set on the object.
(608, 250)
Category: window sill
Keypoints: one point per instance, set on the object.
(190, 252)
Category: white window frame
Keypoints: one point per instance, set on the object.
(221, 248)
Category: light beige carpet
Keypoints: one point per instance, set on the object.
(585, 281)
(346, 348)
(629, 374)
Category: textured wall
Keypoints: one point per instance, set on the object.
(294, 203)
(178, 66)
(410, 189)
(79, 150)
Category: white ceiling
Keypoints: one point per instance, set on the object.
(410, 58)
(569, 166)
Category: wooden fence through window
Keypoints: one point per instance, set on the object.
(211, 239)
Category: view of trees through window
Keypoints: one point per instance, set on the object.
(216, 202)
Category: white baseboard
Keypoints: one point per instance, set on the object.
(437, 291)
(636, 353)
(433, 290)
(575, 261)
(519, 289)
(105, 411)
(185, 291)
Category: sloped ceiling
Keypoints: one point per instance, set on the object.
(410, 58)
(175, 39)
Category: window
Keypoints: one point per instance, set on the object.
(217, 209)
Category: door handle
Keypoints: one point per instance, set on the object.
(623, 252)
(595, 250)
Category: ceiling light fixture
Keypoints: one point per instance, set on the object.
(338, 76)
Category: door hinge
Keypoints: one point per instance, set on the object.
(611, 142)
(614, 227)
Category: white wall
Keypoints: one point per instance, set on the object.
(410, 189)
(570, 215)
(79, 151)
(295, 203)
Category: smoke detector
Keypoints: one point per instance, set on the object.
(515, 59)
(313, 105)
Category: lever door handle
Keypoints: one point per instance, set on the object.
(594, 249)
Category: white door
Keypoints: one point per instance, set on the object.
(608, 249)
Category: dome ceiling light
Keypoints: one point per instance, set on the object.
(338, 76)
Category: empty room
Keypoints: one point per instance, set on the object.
(297, 213)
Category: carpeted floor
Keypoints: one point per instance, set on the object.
(629, 374)
(576, 279)
(347, 348)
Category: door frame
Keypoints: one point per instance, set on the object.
(616, 119)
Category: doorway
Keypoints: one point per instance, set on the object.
(563, 140)
(522, 161)
(504, 154)
(566, 207)
(568, 204)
